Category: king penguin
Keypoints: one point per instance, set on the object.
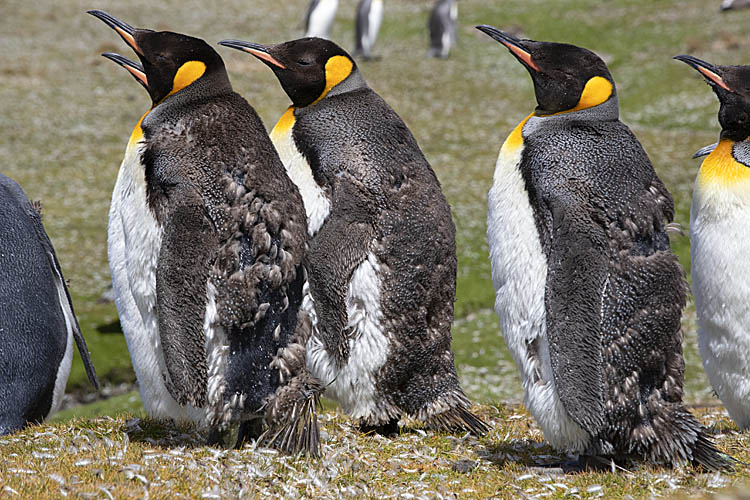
(587, 290)
(442, 25)
(320, 17)
(382, 300)
(367, 25)
(37, 321)
(719, 228)
(206, 239)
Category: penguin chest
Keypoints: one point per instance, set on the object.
(317, 204)
(133, 243)
(719, 225)
(321, 18)
(519, 273)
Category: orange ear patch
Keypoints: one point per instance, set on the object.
(338, 68)
(187, 74)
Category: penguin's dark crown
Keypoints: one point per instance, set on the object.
(566, 77)
(170, 61)
(307, 68)
(731, 84)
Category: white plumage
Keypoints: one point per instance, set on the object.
(720, 256)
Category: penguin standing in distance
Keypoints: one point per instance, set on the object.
(206, 239)
(734, 4)
(367, 25)
(442, 24)
(381, 299)
(37, 321)
(319, 18)
(587, 290)
(719, 228)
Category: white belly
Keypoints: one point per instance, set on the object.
(133, 242)
(317, 206)
(375, 17)
(720, 251)
(519, 272)
(353, 384)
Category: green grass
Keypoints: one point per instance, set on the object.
(67, 114)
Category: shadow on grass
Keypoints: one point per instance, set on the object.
(163, 433)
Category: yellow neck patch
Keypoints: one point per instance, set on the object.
(338, 68)
(137, 134)
(515, 139)
(596, 91)
(187, 74)
(285, 123)
(720, 169)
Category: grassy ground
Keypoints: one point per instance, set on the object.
(67, 113)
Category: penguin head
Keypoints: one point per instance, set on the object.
(566, 78)
(732, 86)
(171, 61)
(307, 68)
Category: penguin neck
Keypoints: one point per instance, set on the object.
(353, 81)
(727, 168)
(609, 110)
(202, 89)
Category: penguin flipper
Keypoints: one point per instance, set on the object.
(336, 251)
(576, 276)
(189, 245)
(36, 215)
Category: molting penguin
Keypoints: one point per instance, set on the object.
(37, 322)
(719, 226)
(383, 299)
(442, 25)
(206, 239)
(368, 18)
(320, 17)
(588, 292)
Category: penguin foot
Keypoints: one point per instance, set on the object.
(389, 429)
(250, 430)
(223, 436)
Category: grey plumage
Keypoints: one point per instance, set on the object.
(36, 316)
(384, 193)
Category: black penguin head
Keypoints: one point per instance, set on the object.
(170, 61)
(307, 68)
(566, 77)
(732, 86)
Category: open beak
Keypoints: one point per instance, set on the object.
(514, 45)
(123, 29)
(256, 49)
(133, 67)
(709, 71)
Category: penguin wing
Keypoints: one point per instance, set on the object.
(340, 246)
(576, 277)
(189, 246)
(66, 303)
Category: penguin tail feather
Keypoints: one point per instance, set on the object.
(292, 417)
(458, 418)
(708, 456)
